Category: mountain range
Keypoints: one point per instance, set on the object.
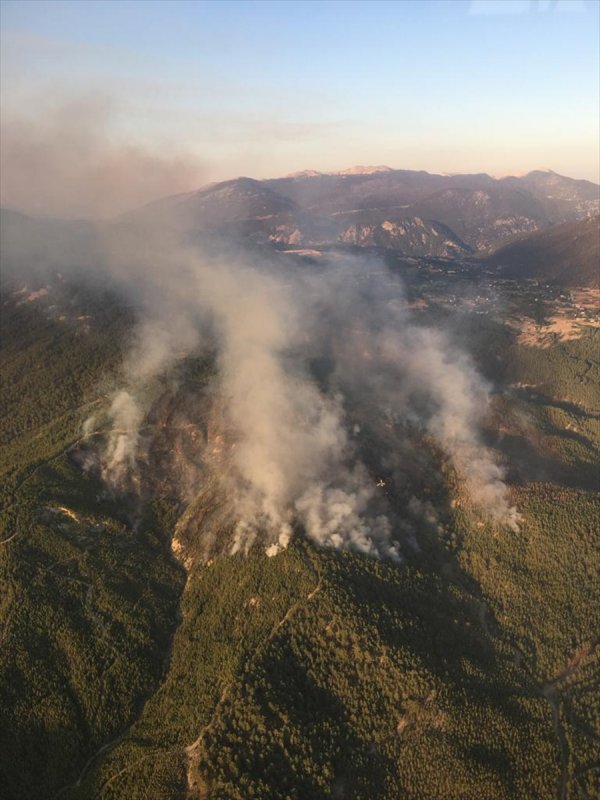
(539, 225)
(413, 212)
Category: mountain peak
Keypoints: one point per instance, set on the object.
(305, 173)
(361, 170)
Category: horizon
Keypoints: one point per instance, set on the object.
(163, 97)
(300, 174)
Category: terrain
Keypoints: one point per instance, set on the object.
(415, 213)
(141, 659)
(564, 254)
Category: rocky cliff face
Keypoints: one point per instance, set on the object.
(409, 235)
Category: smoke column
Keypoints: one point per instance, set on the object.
(292, 456)
(292, 459)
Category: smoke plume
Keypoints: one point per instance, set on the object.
(292, 454)
(325, 387)
(63, 159)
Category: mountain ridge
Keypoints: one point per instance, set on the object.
(310, 208)
(567, 254)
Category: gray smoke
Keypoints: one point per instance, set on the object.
(291, 460)
(294, 436)
(412, 372)
(63, 158)
(292, 457)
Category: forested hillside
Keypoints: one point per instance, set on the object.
(134, 670)
(567, 254)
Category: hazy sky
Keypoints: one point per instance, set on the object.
(267, 88)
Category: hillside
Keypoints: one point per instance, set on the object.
(136, 666)
(414, 213)
(299, 400)
(567, 254)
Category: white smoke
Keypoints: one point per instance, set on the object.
(460, 401)
(291, 459)
(125, 416)
(293, 450)
(412, 373)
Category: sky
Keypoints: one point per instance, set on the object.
(268, 88)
